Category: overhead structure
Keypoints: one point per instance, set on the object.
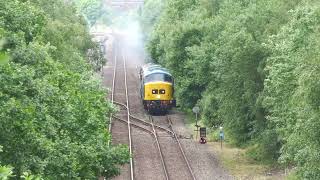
(125, 4)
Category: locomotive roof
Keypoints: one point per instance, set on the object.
(155, 71)
(149, 65)
(154, 68)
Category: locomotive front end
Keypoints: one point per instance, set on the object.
(158, 96)
(157, 89)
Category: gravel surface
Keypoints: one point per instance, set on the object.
(146, 157)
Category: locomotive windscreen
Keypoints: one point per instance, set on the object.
(158, 77)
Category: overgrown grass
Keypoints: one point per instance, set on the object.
(240, 166)
(292, 176)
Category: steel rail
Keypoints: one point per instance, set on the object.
(152, 124)
(120, 104)
(135, 125)
(112, 89)
(160, 150)
(143, 121)
(128, 116)
(155, 135)
(181, 149)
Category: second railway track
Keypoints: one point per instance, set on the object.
(119, 92)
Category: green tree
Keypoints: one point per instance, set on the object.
(53, 111)
(292, 89)
(252, 66)
(92, 10)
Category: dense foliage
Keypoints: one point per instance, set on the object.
(91, 9)
(94, 11)
(252, 66)
(53, 111)
(150, 14)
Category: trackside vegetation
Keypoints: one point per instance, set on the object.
(253, 66)
(53, 109)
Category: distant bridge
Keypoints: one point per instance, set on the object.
(126, 4)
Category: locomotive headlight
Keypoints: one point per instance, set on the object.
(162, 91)
(154, 91)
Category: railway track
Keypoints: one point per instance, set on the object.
(154, 134)
(116, 94)
(124, 112)
(161, 135)
(180, 147)
(128, 115)
(177, 142)
(139, 120)
(146, 128)
(112, 88)
(165, 170)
